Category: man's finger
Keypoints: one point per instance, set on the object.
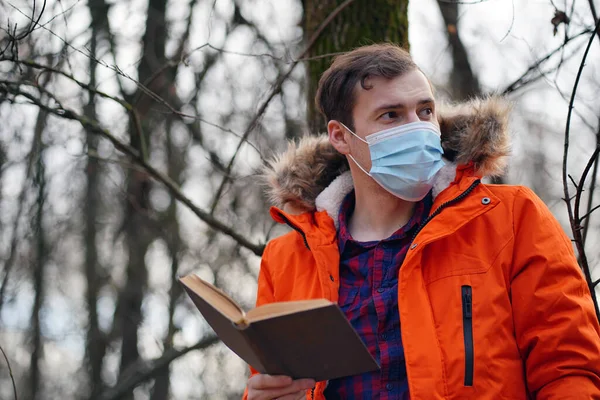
(294, 396)
(263, 381)
(300, 385)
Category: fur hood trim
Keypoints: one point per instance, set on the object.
(473, 132)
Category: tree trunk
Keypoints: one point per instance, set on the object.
(95, 341)
(40, 263)
(362, 22)
(176, 163)
(463, 83)
(138, 231)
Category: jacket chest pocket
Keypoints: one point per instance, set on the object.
(436, 266)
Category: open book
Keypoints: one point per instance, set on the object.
(301, 339)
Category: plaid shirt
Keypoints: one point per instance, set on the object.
(368, 297)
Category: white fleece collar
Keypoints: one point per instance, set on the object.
(331, 198)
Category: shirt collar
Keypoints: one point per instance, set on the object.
(422, 209)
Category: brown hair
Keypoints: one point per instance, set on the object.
(336, 93)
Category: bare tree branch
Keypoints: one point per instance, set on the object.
(594, 15)
(522, 80)
(575, 224)
(274, 91)
(591, 190)
(94, 127)
(14, 39)
(464, 2)
(582, 182)
(142, 370)
(584, 218)
(12, 377)
(512, 22)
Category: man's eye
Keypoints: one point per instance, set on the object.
(389, 115)
(427, 111)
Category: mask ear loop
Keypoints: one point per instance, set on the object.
(353, 134)
(350, 155)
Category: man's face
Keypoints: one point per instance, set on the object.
(388, 103)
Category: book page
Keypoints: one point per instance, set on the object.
(215, 297)
(283, 308)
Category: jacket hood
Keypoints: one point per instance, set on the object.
(475, 132)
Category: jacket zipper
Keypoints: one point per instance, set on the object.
(467, 309)
(449, 203)
(312, 394)
(294, 227)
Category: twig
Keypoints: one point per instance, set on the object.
(575, 224)
(573, 181)
(592, 189)
(140, 86)
(274, 91)
(121, 163)
(94, 127)
(14, 39)
(593, 9)
(321, 56)
(586, 171)
(236, 53)
(12, 378)
(594, 15)
(464, 2)
(520, 82)
(512, 22)
(589, 212)
(142, 370)
(128, 107)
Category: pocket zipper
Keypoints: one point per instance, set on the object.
(467, 311)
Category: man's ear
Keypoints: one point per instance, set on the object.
(337, 136)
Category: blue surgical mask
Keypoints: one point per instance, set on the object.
(404, 159)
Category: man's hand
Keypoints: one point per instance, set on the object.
(269, 387)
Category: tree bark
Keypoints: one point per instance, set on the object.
(363, 22)
(95, 340)
(463, 82)
(176, 163)
(40, 262)
(138, 232)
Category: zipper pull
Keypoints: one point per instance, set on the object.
(468, 302)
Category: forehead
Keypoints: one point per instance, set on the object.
(407, 90)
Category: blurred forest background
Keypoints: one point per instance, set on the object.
(131, 133)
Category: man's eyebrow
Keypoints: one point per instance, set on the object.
(427, 100)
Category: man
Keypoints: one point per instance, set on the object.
(460, 290)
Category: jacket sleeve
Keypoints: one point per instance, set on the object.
(264, 294)
(555, 323)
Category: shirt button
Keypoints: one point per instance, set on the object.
(389, 386)
(380, 290)
(384, 336)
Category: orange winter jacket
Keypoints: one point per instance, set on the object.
(492, 302)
